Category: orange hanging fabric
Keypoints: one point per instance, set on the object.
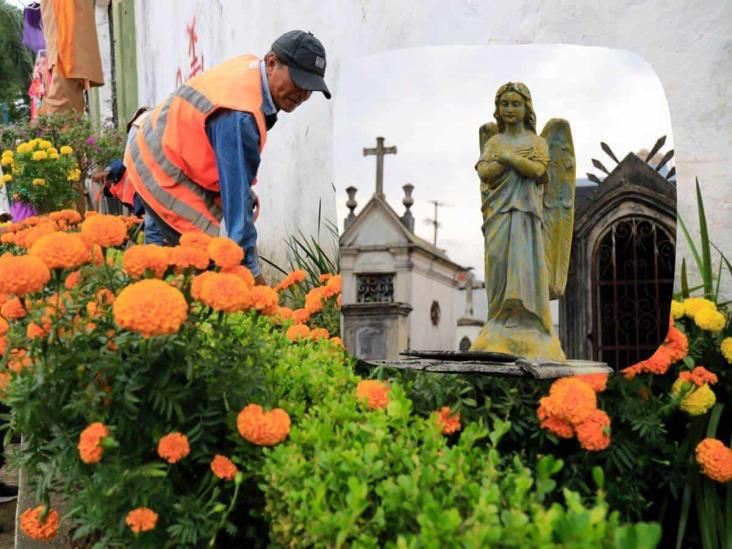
(65, 21)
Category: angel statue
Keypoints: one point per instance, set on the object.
(527, 188)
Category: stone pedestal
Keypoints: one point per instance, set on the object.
(376, 331)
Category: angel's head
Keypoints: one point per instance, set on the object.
(514, 99)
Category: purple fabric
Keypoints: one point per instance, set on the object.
(21, 211)
(32, 28)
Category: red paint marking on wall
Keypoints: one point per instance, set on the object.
(195, 65)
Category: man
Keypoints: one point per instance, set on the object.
(197, 154)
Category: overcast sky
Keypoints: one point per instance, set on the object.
(430, 102)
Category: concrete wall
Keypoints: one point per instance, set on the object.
(688, 44)
(431, 281)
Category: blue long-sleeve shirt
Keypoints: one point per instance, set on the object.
(235, 139)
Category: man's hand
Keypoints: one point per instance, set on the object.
(259, 280)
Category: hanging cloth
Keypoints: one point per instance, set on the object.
(32, 28)
(65, 21)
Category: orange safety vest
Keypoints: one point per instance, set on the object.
(171, 163)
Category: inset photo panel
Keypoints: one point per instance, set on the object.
(505, 202)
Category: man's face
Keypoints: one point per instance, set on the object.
(285, 94)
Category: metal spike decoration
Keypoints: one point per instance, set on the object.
(599, 166)
(656, 147)
(671, 173)
(666, 157)
(592, 177)
(609, 152)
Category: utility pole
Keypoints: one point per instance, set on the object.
(433, 221)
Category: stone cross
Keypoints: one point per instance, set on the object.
(379, 151)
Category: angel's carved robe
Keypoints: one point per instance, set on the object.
(517, 279)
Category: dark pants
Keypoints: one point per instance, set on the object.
(158, 231)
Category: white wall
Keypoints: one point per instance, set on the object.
(688, 44)
(431, 281)
(105, 51)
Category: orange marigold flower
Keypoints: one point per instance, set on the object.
(325, 277)
(677, 343)
(150, 307)
(598, 382)
(105, 230)
(553, 424)
(571, 400)
(285, 313)
(336, 341)
(699, 376)
(242, 272)
(13, 309)
(297, 332)
(61, 250)
(187, 257)
(90, 442)
(36, 528)
(314, 300)
(173, 447)
(3, 345)
(8, 238)
(69, 216)
(28, 237)
(292, 278)
(333, 286)
(715, 459)
(139, 259)
(19, 360)
(447, 422)
(265, 299)
(197, 283)
(300, 316)
(105, 296)
(225, 252)
(4, 326)
(263, 428)
(223, 467)
(72, 280)
(225, 292)
(593, 433)
(4, 383)
(21, 275)
(34, 331)
(319, 333)
(141, 519)
(196, 239)
(374, 392)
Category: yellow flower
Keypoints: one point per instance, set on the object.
(6, 160)
(23, 148)
(726, 349)
(7, 178)
(74, 175)
(712, 321)
(53, 156)
(40, 155)
(7, 152)
(65, 149)
(33, 142)
(53, 150)
(696, 402)
(39, 181)
(693, 305)
(677, 309)
(43, 144)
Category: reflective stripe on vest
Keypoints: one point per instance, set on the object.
(177, 175)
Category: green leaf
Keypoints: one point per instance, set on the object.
(684, 515)
(692, 246)
(598, 475)
(706, 270)
(684, 279)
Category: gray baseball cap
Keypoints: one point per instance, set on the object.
(304, 55)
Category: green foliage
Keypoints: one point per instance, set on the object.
(388, 478)
(16, 63)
